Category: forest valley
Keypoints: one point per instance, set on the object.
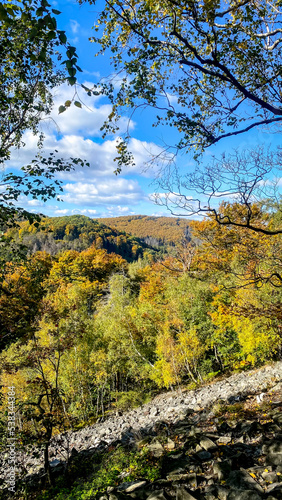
(86, 331)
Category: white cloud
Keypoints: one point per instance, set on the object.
(115, 211)
(85, 211)
(64, 211)
(118, 210)
(161, 214)
(145, 154)
(122, 209)
(97, 74)
(99, 155)
(35, 203)
(112, 191)
(179, 205)
(24, 201)
(69, 211)
(73, 136)
(85, 121)
(74, 40)
(74, 25)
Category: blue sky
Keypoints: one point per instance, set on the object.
(97, 191)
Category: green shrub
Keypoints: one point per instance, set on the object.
(127, 400)
(116, 466)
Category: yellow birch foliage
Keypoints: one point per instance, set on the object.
(257, 334)
(189, 348)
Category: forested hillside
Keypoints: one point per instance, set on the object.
(156, 231)
(76, 232)
(84, 333)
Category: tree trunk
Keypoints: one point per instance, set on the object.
(47, 467)
(218, 359)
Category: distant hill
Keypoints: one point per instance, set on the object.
(77, 232)
(155, 231)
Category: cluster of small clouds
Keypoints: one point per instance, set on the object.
(113, 191)
(76, 133)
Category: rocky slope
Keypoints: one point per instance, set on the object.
(207, 447)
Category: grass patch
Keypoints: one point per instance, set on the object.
(116, 466)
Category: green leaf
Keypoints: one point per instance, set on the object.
(62, 37)
(62, 109)
(72, 71)
(77, 104)
(71, 52)
(71, 80)
(3, 14)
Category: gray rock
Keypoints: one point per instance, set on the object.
(170, 444)
(183, 494)
(211, 492)
(269, 477)
(222, 469)
(116, 496)
(189, 479)
(278, 419)
(241, 480)
(244, 495)
(204, 455)
(55, 463)
(222, 492)
(156, 449)
(157, 495)
(167, 407)
(273, 447)
(207, 444)
(224, 440)
(129, 487)
(274, 459)
(274, 488)
(176, 474)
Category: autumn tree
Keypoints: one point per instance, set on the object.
(210, 69)
(31, 45)
(231, 251)
(249, 177)
(250, 318)
(34, 369)
(93, 265)
(21, 291)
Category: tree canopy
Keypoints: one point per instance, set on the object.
(31, 47)
(247, 177)
(212, 69)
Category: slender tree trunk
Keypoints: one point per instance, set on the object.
(190, 372)
(47, 467)
(218, 359)
(102, 401)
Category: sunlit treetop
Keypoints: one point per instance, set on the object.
(211, 69)
(32, 48)
(35, 58)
